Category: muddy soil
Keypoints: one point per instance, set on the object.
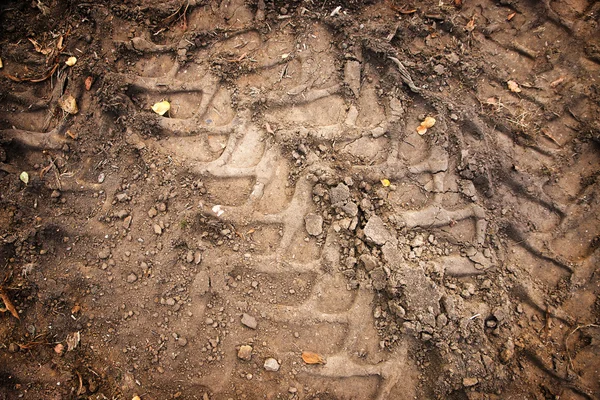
(408, 190)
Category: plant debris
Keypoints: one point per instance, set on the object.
(513, 86)
(68, 104)
(312, 358)
(427, 123)
(8, 305)
(162, 107)
(71, 61)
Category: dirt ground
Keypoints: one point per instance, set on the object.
(346, 199)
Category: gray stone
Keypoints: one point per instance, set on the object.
(249, 321)
(350, 208)
(314, 224)
(271, 364)
(376, 232)
(131, 278)
(339, 194)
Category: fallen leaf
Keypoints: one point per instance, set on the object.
(59, 44)
(73, 340)
(428, 122)
(24, 177)
(68, 104)
(312, 358)
(76, 308)
(59, 349)
(511, 16)
(1, 65)
(71, 61)
(513, 86)
(268, 128)
(421, 130)
(161, 107)
(8, 305)
(458, 3)
(88, 82)
(470, 25)
(72, 135)
(136, 398)
(385, 182)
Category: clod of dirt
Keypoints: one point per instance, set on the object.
(376, 231)
(313, 224)
(245, 352)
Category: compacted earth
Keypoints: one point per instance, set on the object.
(299, 199)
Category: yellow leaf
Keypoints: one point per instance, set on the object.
(161, 107)
(71, 61)
(428, 122)
(312, 358)
(68, 104)
(385, 182)
(513, 86)
(24, 177)
(421, 130)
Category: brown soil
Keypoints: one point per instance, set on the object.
(286, 201)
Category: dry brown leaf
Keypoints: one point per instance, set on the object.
(458, 3)
(72, 135)
(470, 25)
(511, 16)
(8, 305)
(73, 340)
(59, 349)
(68, 104)
(513, 86)
(88, 82)
(312, 358)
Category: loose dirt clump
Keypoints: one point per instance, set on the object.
(299, 199)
